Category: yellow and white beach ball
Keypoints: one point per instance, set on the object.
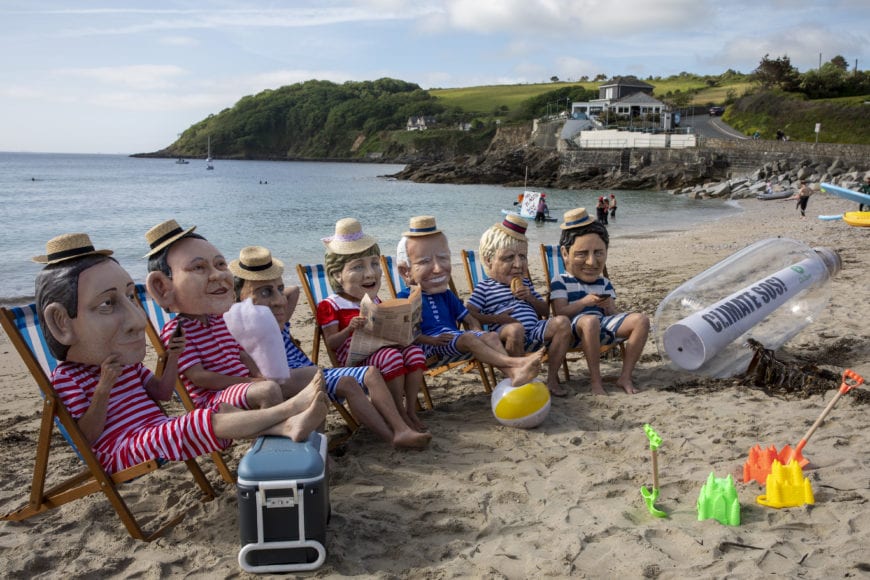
(525, 406)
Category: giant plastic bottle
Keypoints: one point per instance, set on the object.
(768, 291)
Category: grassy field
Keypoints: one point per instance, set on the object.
(483, 100)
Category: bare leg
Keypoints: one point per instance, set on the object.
(589, 328)
(262, 394)
(362, 408)
(385, 402)
(514, 338)
(559, 336)
(521, 370)
(636, 328)
(298, 380)
(283, 419)
(413, 384)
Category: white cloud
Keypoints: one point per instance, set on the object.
(599, 18)
(178, 41)
(141, 77)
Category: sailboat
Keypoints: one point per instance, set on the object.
(208, 164)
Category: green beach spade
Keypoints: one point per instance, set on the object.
(650, 496)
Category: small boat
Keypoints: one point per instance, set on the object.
(860, 219)
(774, 195)
(208, 164)
(181, 161)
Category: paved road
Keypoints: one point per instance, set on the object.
(712, 127)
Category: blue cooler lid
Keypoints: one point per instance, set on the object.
(274, 458)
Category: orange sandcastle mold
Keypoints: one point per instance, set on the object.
(718, 500)
(758, 466)
(787, 487)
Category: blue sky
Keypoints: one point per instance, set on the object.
(128, 76)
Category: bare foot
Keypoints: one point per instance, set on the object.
(598, 389)
(529, 369)
(556, 389)
(300, 426)
(414, 421)
(411, 439)
(303, 399)
(627, 386)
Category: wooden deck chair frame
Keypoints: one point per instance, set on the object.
(395, 284)
(157, 317)
(313, 281)
(551, 259)
(22, 326)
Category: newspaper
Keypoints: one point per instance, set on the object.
(393, 322)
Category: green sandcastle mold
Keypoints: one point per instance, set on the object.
(718, 500)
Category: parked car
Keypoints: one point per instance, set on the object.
(716, 111)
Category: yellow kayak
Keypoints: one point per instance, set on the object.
(857, 218)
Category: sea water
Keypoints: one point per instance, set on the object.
(285, 206)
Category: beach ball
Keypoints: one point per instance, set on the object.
(525, 406)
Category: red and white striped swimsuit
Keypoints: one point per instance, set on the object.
(212, 346)
(136, 428)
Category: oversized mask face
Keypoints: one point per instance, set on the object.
(108, 321)
(508, 263)
(201, 281)
(430, 267)
(586, 258)
(268, 293)
(360, 276)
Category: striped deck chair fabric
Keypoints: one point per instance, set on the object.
(26, 335)
(551, 258)
(157, 319)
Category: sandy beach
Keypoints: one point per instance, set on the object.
(560, 500)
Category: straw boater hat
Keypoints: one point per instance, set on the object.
(348, 238)
(422, 225)
(68, 246)
(256, 263)
(164, 234)
(575, 218)
(514, 226)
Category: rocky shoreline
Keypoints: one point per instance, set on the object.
(698, 181)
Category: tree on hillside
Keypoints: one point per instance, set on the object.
(840, 62)
(777, 73)
(554, 79)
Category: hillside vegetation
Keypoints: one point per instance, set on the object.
(366, 120)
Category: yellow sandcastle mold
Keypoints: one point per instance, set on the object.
(787, 487)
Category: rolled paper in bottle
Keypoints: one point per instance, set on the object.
(699, 337)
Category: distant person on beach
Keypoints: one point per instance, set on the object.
(612, 206)
(541, 210)
(601, 210)
(508, 302)
(95, 327)
(189, 276)
(587, 298)
(865, 188)
(423, 258)
(804, 194)
(258, 276)
(353, 267)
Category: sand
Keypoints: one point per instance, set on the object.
(560, 500)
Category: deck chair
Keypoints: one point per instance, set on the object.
(316, 287)
(551, 258)
(157, 318)
(396, 284)
(23, 328)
